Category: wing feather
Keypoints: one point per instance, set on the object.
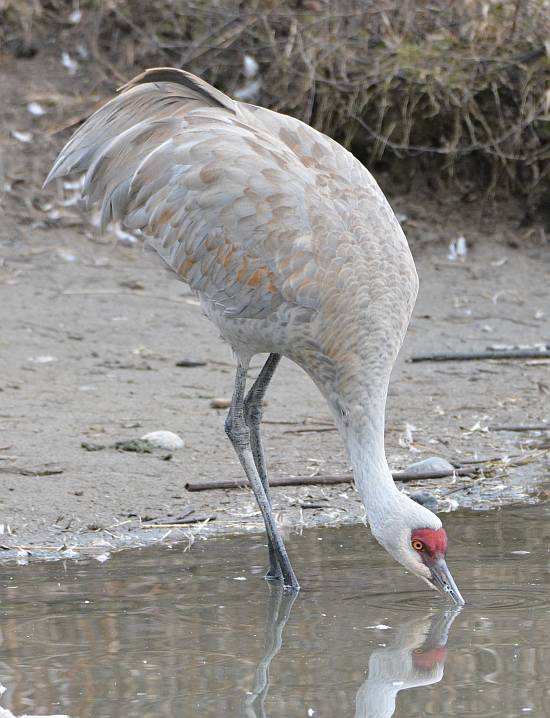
(228, 194)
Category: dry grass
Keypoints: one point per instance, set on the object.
(454, 91)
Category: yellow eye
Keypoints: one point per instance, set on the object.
(417, 545)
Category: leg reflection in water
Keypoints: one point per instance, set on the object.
(278, 610)
(415, 657)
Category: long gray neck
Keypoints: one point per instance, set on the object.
(363, 432)
(357, 398)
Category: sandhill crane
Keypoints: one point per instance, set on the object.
(293, 251)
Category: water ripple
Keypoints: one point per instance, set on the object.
(490, 598)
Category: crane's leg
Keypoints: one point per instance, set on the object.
(253, 417)
(239, 435)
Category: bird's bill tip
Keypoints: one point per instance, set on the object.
(444, 582)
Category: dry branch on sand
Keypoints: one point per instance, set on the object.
(403, 476)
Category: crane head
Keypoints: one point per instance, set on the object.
(414, 536)
(430, 548)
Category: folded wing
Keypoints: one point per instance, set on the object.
(219, 188)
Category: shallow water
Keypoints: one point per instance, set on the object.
(163, 632)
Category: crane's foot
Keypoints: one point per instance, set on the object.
(280, 567)
(292, 586)
(274, 573)
(290, 582)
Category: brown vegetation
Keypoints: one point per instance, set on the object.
(448, 91)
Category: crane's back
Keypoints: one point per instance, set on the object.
(284, 235)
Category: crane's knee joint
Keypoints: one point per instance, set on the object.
(237, 431)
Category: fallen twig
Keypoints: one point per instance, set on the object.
(312, 429)
(530, 457)
(179, 524)
(56, 549)
(287, 481)
(32, 548)
(480, 356)
(487, 460)
(29, 472)
(456, 489)
(190, 363)
(403, 476)
(521, 427)
(183, 518)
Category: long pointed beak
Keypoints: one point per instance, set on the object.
(444, 582)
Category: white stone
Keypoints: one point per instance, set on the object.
(164, 440)
(36, 109)
(433, 463)
(22, 136)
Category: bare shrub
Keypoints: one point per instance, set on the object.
(462, 88)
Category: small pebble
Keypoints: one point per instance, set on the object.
(36, 109)
(22, 136)
(380, 627)
(135, 284)
(164, 440)
(190, 363)
(433, 463)
(91, 446)
(44, 359)
(425, 498)
(220, 403)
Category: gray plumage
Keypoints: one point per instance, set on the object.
(287, 240)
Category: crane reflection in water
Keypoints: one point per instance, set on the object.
(414, 658)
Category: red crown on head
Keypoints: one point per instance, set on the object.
(434, 541)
